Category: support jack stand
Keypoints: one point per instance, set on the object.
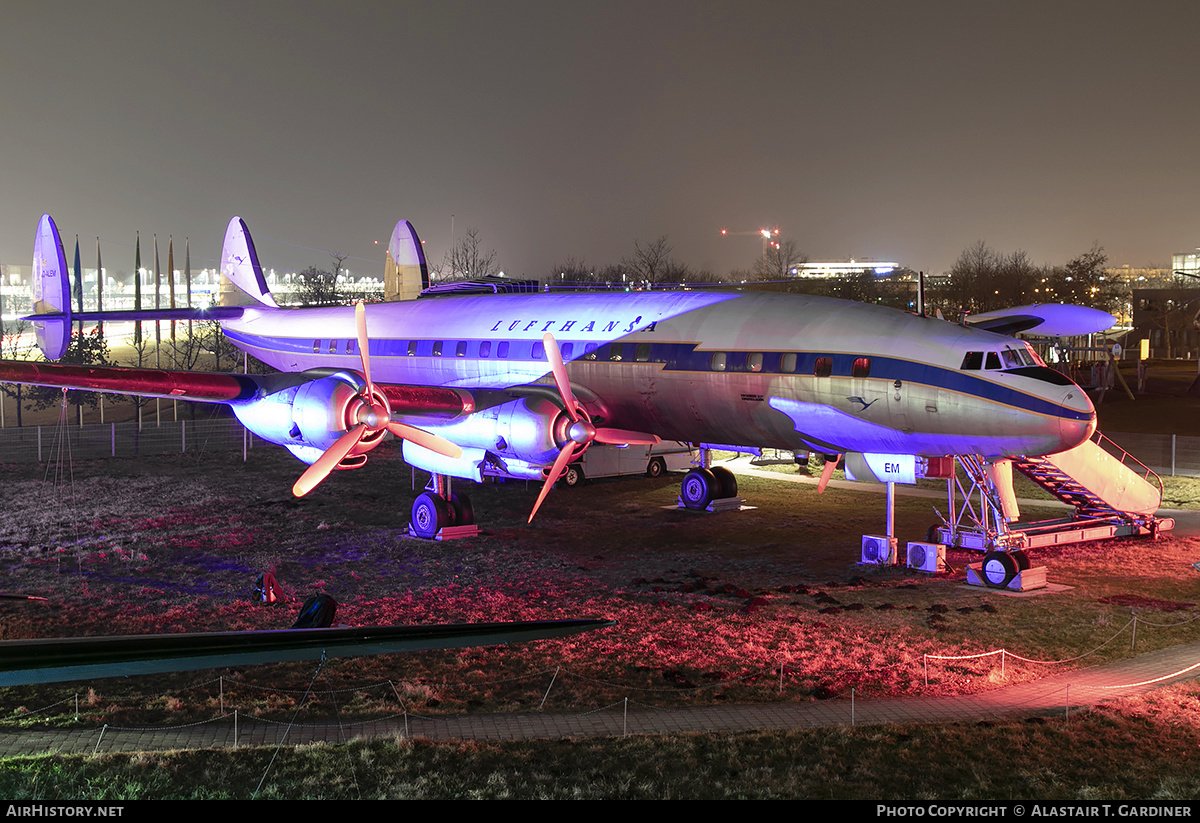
(1023, 581)
(724, 504)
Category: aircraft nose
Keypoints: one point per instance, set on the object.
(1078, 419)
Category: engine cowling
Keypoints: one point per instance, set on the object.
(309, 417)
(519, 438)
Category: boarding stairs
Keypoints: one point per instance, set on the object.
(1111, 493)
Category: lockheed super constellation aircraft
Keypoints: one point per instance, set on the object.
(519, 385)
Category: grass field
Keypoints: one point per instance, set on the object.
(708, 608)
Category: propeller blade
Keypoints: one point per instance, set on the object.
(559, 370)
(826, 473)
(360, 322)
(428, 440)
(627, 438)
(328, 461)
(560, 463)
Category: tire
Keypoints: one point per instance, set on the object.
(657, 467)
(726, 482)
(573, 476)
(699, 488)
(1021, 558)
(999, 568)
(461, 508)
(429, 514)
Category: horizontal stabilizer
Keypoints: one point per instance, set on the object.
(131, 315)
(1047, 319)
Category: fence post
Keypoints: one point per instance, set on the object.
(182, 436)
(39, 444)
(114, 439)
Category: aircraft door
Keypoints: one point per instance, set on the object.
(898, 400)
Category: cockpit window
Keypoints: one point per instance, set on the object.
(1012, 360)
(993, 360)
(972, 361)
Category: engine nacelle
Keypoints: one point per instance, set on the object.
(518, 438)
(309, 417)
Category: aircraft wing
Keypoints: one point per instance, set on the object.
(25, 662)
(1047, 319)
(208, 387)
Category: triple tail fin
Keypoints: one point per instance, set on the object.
(51, 291)
(405, 273)
(242, 281)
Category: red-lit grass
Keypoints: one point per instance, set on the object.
(707, 607)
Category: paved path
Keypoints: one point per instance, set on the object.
(1053, 695)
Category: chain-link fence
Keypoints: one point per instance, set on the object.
(94, 441)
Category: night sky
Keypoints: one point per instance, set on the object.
(893, 130)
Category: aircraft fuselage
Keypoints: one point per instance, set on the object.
(754, 369)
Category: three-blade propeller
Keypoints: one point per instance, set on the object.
(372, 416)
(581, 432)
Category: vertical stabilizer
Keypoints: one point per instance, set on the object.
(51, 290)
(405, 273)
(242, 281)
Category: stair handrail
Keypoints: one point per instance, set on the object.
(1099, 438)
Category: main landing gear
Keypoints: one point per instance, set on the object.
(441, 514)
(709, 488)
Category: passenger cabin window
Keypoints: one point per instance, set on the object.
(333, 347)
(861, 367)
(485, 348)
(539, 350)
(972, 361)
(643, 352)
(461, 350)
(717, 362)
(502, 349)
(754, 361)
(437, 348)
(316, 347)
(350, 346)
(589, 351)
(993, 360)
(566, 349)
(614, 352)
(412, 348)
(787, 363)
(823, 367)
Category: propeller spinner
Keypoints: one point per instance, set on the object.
(372, 416)
(581, 432)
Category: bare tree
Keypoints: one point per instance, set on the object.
(779, 263)
(468, 260)
(321, 287)
(16, 344)
(651, 262)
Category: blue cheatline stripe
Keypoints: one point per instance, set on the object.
(679, 357)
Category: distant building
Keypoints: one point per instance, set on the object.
(1186, 262)
(827, 269)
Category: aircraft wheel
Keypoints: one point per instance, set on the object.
(699, 488)
(464, 512)
(726, 482)
(999, 568)
(573, 476)
(656, 468)
(429, 514)
(1021, 558)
